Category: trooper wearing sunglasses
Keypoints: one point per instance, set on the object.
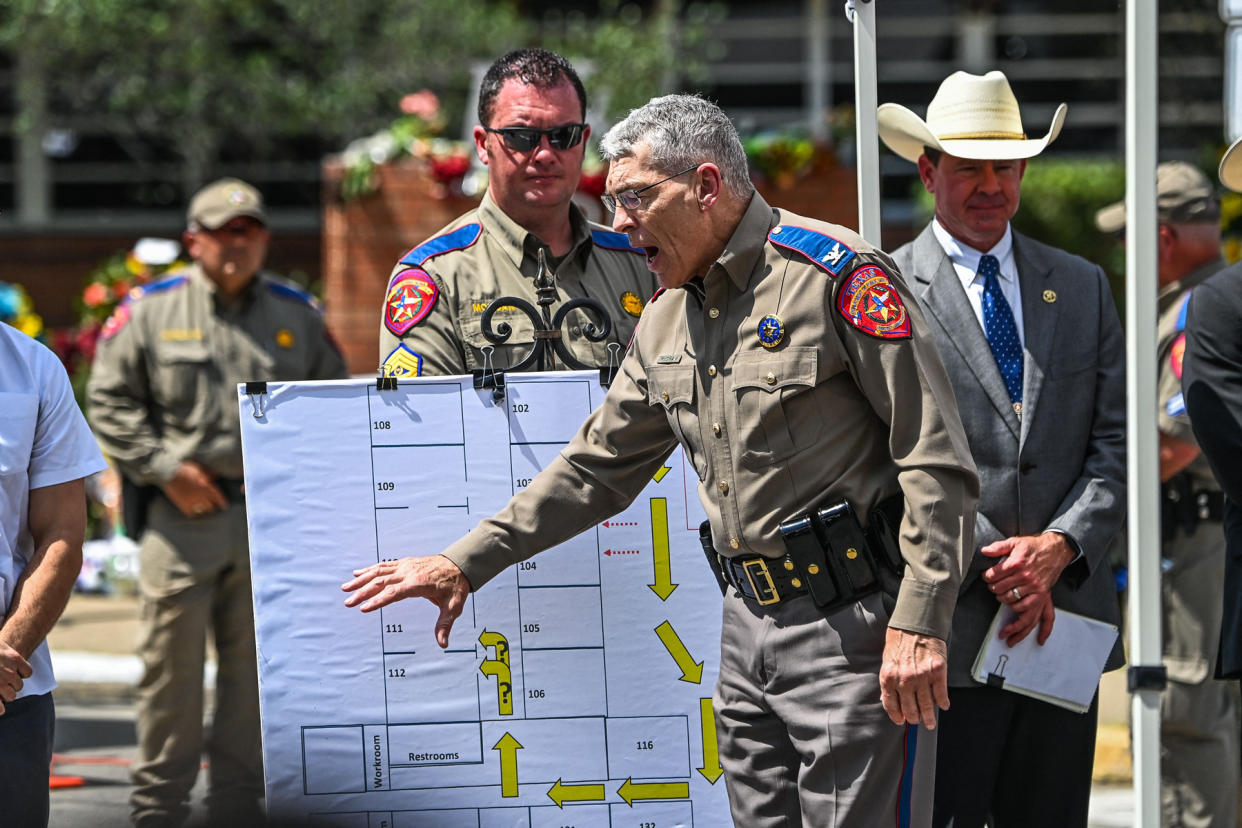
(532, 137)
(163, 402)
(789, 360)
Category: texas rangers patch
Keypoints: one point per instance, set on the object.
(410, 299)
(1176, 353)
(402, 362)
(115, 322)
(871, 303)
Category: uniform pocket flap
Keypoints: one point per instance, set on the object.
(669, 385)
(769, 372)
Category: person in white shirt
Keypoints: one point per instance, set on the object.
(46, 451)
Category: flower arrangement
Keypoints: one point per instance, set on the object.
(779, 157)
(105, 288)
(415, 134)
(17, 310)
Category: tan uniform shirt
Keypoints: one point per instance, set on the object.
(431, 322)
(827, 410)
(163, 387)
(1171, 342)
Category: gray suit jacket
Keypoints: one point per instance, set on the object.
(1061, 464)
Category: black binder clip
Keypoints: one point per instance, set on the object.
(489, 377)
(609, 372)
(386, 383)
(256, 391)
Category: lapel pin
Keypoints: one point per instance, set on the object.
(1050, 296)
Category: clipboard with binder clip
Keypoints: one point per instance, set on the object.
(1064, 671)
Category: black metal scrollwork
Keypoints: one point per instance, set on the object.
(549, 342)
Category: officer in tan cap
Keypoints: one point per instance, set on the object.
(532, 137)
(786, 357)
(1198, 732)
(1032, 343)
(163, 401)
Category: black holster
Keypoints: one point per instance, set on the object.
(1177, 507)
(838, 560)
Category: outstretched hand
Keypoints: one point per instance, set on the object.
(434, 577)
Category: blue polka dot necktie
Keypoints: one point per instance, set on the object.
(1001, 331)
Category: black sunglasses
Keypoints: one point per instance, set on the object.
(525, 139)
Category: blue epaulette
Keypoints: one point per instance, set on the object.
(159, 286)
(820, 248)
(1181, 315)
(290, 292)
(614, 241)
(458, 239)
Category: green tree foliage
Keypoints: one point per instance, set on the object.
(197, 82)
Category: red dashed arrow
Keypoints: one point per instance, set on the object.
(608, 524)
(622, 551)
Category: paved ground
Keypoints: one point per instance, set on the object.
(95, 741)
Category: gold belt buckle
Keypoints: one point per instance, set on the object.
(762, 566)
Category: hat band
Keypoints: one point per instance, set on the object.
(967, 136)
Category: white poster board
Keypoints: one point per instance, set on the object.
(576, 689)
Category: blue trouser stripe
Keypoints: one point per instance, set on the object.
(907, 777)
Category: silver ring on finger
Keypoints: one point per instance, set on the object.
(1017, 596)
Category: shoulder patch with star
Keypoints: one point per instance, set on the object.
(121, 316)
(823, 250)
(411, 296)
(869, 301)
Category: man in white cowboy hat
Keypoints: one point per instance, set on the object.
(1033, 346)
(1212, 385)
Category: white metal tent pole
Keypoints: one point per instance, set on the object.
(867, 150)
(1146, 675)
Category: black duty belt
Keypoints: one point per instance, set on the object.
(762, 580)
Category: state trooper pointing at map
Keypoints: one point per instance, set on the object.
(788, 359)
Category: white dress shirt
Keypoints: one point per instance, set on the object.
(44, 441)
(965, 261)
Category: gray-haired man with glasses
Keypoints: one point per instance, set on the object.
(788, 359)
(532, 137)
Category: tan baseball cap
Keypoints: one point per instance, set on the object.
(223, 200)
(1183, 195)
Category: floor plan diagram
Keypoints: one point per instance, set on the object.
(576, 688)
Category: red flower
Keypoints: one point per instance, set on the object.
(96, 294)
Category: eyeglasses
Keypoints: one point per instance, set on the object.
(525, 139)
(632, 199)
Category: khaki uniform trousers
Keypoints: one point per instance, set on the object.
(195, 577)
(1199, 769)
(804, 740)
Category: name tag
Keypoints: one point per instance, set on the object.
(180, 334)
(668, 359)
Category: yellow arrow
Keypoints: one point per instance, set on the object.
(711, 751)
(659, 475)
(560, 793)
(663, 585)
(495, 639)
(691, 670)
(508, 747)
(653, 790)
(504, 684)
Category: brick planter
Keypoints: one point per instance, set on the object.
(362, 240)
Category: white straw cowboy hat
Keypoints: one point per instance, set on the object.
(972, 116)
(1231, 167)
